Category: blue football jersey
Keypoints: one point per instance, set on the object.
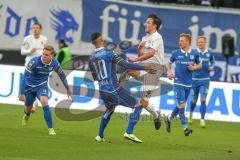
(37, 73)
(208, 60)
(102, 64)
(182, 59)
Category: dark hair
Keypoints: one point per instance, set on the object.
(187, 36)
(156, 20)
(37, 23)
(50, 48)
(95, 36)
(62, 41)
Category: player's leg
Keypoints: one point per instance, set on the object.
(181, 94)
(194, 100)
(133, 120)
(150, 83)
(30, 97)
(182, 117)
(125, 99)
(43, 97)
(34, 106)
(110, 101)
(203, 95)
(104, 122)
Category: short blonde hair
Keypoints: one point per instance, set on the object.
(202, 37)
(50, 48)
(187, 36)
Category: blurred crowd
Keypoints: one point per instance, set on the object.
(213, 3)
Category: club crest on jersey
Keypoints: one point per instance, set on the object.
(207, 55)
(191, 56)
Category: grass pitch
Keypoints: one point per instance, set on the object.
(75, 140)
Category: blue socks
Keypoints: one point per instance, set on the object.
(174, 113)
(47, 116)
(192, 106)
(105, 119)
(203, 109)
(182, 117)
(133, 119)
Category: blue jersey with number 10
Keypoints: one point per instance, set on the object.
(103, 63)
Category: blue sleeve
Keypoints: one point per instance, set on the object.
(61, 74)
(197, 58)
(93, 71)
(22, 87)
(212, 60)
(29, 69)
(126, 65)
(172, 58)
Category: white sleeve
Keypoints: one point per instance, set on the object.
(25, 48)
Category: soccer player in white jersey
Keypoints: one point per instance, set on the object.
(33, 46)
(150, 50)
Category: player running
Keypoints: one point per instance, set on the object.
(187, 60)
(35, 84)
(201, 79)
(102, 64)
(32, 47)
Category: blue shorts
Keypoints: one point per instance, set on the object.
(31, 93)
(181, 93)
(200, 87)
(119, 97)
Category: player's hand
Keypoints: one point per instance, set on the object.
(210, 69)
(22, 98)
(69, 94)
(33, 50)
(151, 68)
(134, 73)
(132, 59)
(170, 75)
(191, 67)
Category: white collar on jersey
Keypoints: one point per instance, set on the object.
(44, 62)
(186, 53)
(205, 51)
(98, 49)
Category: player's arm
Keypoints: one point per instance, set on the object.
(140, 47)
(148, 53)
(63, 78)
(197, 65)
(127, 65)
(169, 66)
(29, 69)
(212, 63)
(25, 48)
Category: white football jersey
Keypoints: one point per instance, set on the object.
(155, 42)
(31, 42)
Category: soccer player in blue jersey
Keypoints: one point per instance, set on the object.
(102, 64)
(201, 79)
(35, 84)
(187, 60)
